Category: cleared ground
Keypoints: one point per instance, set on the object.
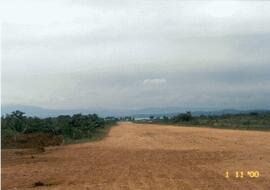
(137, 156)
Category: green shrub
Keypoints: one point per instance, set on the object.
(73, 127)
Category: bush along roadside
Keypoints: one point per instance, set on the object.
(20, 131)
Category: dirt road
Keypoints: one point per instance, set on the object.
(136, 156)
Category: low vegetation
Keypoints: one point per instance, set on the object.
(250, 121)
(20, 131)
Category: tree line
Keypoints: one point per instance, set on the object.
(246, 121)
(77, 126)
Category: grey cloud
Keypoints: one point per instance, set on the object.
(138, 54)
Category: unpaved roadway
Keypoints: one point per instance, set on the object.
(137, 156)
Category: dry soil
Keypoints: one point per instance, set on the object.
(139, 156)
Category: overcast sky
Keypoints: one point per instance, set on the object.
(135, 54)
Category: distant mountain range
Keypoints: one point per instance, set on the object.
(139, 113)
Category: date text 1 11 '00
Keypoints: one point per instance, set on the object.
(242, 174)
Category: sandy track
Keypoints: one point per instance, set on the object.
(136, 156)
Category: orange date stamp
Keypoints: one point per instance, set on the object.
(242, 174)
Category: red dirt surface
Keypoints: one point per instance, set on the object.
(138, 156)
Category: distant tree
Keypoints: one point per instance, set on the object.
(18, 121)
(187, 116)
(165, 118)
(182, 117)
(254, 113)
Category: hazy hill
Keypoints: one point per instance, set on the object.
(146, 112)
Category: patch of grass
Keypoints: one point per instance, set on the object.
(252, 121)
(98, 135)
